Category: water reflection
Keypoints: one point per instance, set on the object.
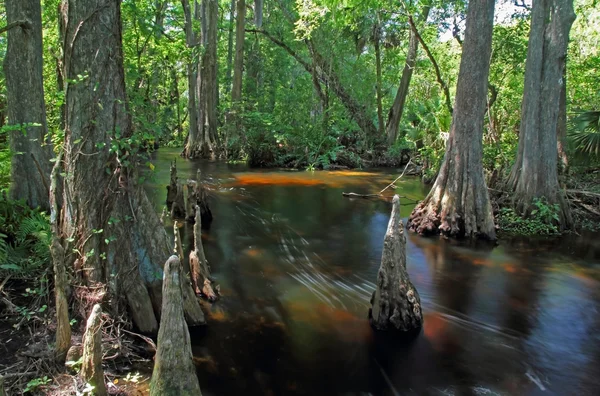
(297, 263)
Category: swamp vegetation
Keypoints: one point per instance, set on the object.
(299, 197)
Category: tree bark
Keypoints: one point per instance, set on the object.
(30, 164)
(561, 127)
(91, 369)
(117, 237)
(238, 66)
(395, 304)
(57, 251)
(535, 174)
(230, 47)
(193, 137)
(395, 113)
(458, 205)
(198, 263)
(210, 84)
(258, 13)
(174, 373)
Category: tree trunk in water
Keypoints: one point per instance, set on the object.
(210, 91)
(190, 38)
(174, 373)
(561, 127)
(395, 304)
(107, 218)
(395, 114)
(535, 172)
(238, 66)
(458, 205)
(91, 368)
(30, 165)
(2, 391)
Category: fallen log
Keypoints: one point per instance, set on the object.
(395, 304)
(174, 372)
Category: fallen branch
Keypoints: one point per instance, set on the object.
(25, 24)
(355, 195)
(582, 192)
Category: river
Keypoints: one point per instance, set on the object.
(297, 265)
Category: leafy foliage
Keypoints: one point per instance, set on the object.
(584, 132)
(25, 238)
(542, 221)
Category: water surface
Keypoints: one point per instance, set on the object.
(297, 264)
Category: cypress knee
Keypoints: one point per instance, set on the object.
(91, 370)
(198, 263)
(174, 372)
(395, 305)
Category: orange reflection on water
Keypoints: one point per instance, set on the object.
(330, 179)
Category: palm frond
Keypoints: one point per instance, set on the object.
(584, 132)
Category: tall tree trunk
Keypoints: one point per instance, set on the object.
(458, 205)
(395, 114)
(376, 39)
(238, 68)
(230, 47)
(534, 174)
(192, 146)
(211, 87)
(561, 126)
(116, 237)
(258, 13)
(30, 165)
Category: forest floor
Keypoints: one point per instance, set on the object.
(27, 363)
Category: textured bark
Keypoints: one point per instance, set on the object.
(102, 200)
(189, 298)
(458, 205)
(30, 166)
(198, 264)
(535, 173)
(57, 251)
(258, 13)
(395, 113)
(192, 75)
(238, 64)
(230, 47)
(174, 372)
(198, 197)
(2, 391)
(561, 127)
(395, 304)
(209, 99)
(91, 368)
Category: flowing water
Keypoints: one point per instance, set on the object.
(297, 265)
